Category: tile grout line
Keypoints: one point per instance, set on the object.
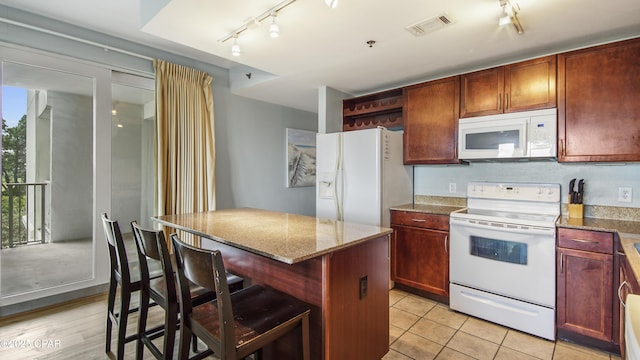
(501, 344)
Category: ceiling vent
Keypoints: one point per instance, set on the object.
(430, 25)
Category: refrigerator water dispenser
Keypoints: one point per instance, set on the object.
(327, 185)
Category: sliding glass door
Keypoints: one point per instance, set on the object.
(54, 121)
(132, 150)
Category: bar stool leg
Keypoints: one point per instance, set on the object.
(170, 328)
(142, 322)
(111, 301)
(125, 299)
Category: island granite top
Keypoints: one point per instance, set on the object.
(289, 238)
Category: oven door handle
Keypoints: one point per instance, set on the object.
(498, 226)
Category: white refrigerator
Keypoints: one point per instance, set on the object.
(360, 174)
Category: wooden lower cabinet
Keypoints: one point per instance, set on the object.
(419, 252)
(585, 284)
(585, 293)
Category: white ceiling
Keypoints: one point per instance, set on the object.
(319, 46)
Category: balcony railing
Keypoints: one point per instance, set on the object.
(24, 217)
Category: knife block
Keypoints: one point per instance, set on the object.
(576, 211)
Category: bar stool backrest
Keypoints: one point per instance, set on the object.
(117, 251)
(206, 268)
(152, 244)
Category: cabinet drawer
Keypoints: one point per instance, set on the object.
(596, 241)
(417, 219)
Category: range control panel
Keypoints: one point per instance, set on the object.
(514, 191)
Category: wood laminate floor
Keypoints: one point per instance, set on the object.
(74, 330)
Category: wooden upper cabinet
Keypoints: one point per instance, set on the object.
(530, 85)
(599, 103)
(481, 92)
(430, 122)
(527, 85)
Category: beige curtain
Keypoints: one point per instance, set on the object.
(185, 141)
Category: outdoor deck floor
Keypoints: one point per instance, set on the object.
(38, 266)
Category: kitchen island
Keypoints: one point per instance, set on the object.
(340, 269)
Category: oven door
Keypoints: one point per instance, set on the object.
(505, 260)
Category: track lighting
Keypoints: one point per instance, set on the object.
(274, 29)
(510, 16)
(235, 48)
(331, 3)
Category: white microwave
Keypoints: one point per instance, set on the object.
(521, 135)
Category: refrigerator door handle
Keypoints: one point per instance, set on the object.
(338, 180)
(338, 195)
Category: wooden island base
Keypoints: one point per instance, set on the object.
(344, 324)
(340, 269)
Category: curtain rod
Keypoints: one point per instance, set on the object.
(74, 38)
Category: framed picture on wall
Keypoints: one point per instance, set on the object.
(301, 158)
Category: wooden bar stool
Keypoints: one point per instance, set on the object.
(234, 325)
(124, 274)
(152, 247)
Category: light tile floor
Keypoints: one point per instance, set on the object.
(423, 329)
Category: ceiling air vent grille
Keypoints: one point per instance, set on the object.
(430, 25)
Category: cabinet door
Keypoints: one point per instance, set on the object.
(585, 293)
(420, 259)
(430, 122)
(481, 92)
(530, 85)
(599, 103)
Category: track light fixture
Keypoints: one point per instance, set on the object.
(235, 48)
(510, 16)
(274, 29)
(331, 3)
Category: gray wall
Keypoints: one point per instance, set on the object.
(602, 180)
(71, 166)
(251, 154)
(250, 135)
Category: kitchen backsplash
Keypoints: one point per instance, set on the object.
(440, 200)
(608, 212)
(601, 181)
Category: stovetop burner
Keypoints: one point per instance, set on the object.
(511, 215)
(518, 203)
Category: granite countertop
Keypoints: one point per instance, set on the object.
(289, 238)
(428, 208)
